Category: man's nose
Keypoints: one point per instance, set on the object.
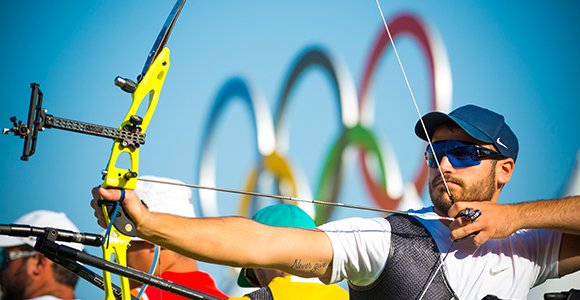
(445, 164)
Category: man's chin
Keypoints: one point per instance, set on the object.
(442, 204)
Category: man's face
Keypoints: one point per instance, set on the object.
(475, 183)
(14, 276)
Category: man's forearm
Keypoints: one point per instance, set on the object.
(556, 214)
(241, 242)
(206, 239)
(233, 241)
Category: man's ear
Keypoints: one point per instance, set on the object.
(504, 171)
(38, 264)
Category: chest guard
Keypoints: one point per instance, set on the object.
(413, 257)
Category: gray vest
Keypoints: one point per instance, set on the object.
(264, 293)
(413, 258)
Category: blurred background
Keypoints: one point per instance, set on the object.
(519, 58)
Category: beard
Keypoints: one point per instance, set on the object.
(481, 190)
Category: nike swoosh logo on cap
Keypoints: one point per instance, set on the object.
(499, 142)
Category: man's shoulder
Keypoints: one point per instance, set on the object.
(421, 210)
(355, 224)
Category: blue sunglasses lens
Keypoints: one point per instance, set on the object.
(460, 155)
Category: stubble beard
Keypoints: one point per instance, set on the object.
(482, 190)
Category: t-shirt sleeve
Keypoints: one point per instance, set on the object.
(360, 248)
(545, 252)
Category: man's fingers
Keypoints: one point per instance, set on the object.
(93, 204)
(109, 194)
(459, 222)
(481, 238)
(480, 235)
(95, 192)
(106, 194)
(456, 208)
(465, 230)
(98, 213)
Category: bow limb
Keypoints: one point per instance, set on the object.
(126, 178)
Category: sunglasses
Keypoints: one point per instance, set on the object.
(460, 154)
(6, 257)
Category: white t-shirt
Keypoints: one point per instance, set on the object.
(506, 268)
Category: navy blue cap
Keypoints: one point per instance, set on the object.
(481, 124)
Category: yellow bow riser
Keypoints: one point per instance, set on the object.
(126, 178)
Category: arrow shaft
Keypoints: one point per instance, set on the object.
(288, 198)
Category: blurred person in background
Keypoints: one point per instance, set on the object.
(28, 274)
(279, 285)
(145, 256)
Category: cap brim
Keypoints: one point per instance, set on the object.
(433, 120)
(9, 241)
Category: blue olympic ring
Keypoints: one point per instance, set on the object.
(235, 88)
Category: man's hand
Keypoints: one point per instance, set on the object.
(132, 205)
(495, 222)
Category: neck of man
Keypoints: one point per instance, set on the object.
(54, 288)
(170, 261)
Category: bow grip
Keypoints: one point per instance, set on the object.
(122, 222)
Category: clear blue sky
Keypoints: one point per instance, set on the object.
(518, 57)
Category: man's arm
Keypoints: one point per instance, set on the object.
(500, 220)
(233, 241)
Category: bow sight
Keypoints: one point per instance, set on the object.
(129, 135)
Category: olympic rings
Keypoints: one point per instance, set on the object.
(271, 137)
(441, 87)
